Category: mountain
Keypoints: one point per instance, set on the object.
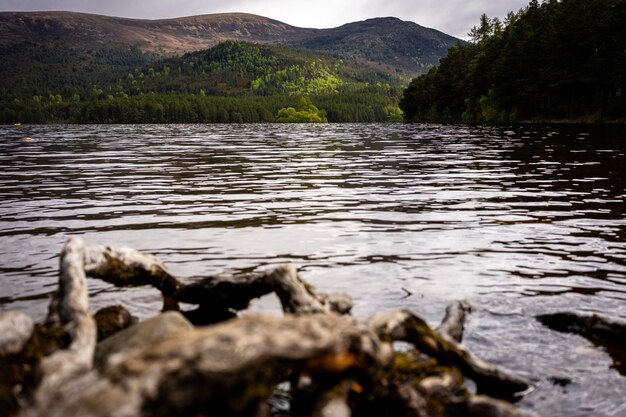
(51, 50)
(165, 37)
(388, 43)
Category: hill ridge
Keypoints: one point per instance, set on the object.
(175, 36)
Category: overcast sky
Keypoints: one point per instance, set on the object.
(454, 17)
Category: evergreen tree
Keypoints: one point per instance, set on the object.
(551, 61)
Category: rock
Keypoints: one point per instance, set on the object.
(140, 335)
(15, 329)
(591, 326)
(111, 320)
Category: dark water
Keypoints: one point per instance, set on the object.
(518, 221)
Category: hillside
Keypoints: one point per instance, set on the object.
(404, 48)
(44, 52)
(165, 37)
(231, 82)
(235, 68)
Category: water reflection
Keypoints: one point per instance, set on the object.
(529, 218)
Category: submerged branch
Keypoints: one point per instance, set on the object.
(454, 320)
(591, 326)
(402, 325)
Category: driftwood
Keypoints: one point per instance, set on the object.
(337, 366)
(69, 310)
(218, 297)
(226, 369)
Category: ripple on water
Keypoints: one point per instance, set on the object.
(520, 221)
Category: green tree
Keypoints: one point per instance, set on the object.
(304, 112)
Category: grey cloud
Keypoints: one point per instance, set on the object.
(147, 9)
(455, 17)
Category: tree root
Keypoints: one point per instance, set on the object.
(218, 297)
(337, 365)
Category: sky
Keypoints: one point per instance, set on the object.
(454, 17)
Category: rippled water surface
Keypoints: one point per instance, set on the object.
(518, 221)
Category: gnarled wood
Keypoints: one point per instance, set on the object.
(218, 297)
(402, 325)
(232, 368)
(69, 310)
(226, 369)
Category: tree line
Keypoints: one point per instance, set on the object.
(357, 106)
(555, 61)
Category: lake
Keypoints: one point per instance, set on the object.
(518, 221)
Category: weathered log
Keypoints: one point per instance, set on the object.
(15, 330)
(218, 297)
(402, 325)
(126, 267)
(226, 369)
(298, 297)
(415, 385)
(592, 326)
(61, 348)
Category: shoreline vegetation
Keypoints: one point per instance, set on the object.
(304, 112)
(211, 361)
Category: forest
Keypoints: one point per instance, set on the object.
(558, 61)
(555, 61)
(232, 82)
